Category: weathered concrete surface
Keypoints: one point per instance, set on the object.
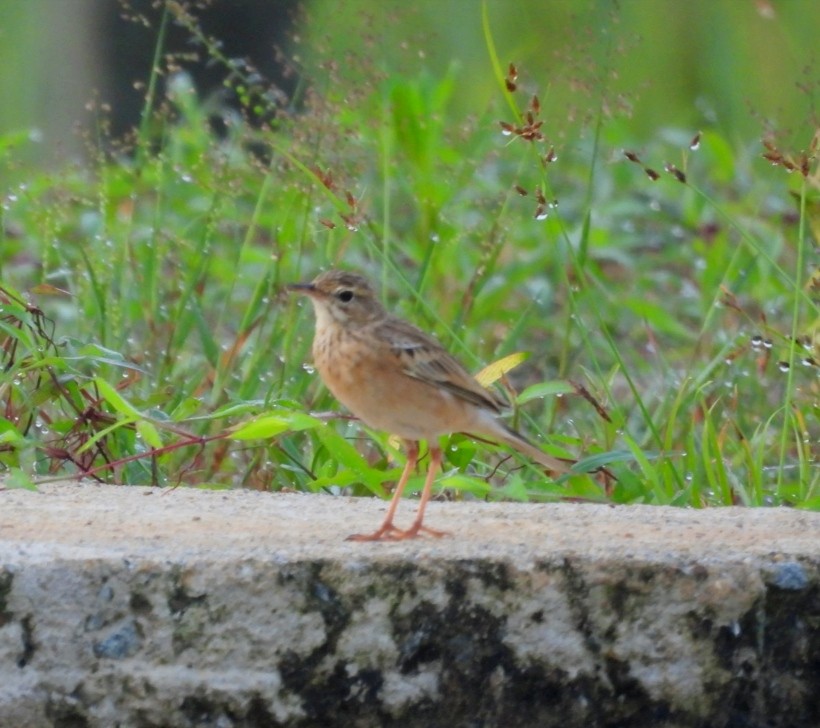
(139, 607)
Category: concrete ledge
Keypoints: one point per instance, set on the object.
(140, 607)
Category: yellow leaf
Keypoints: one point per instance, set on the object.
(493, 372)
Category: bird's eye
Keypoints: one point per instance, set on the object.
(345, 296)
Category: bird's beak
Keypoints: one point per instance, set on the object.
(307, 289)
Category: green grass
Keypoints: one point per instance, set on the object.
(670, 325)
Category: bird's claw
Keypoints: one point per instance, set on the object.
(388, 532)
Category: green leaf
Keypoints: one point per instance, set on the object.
(461, 451)
(102, 355)
(649, 471)
(464, 484)
(268, 426)
(10, 140)
(9, 434)
(593, 462)
(209, 344)
(371, 479)
(810, 504)
(341, 450)
(102, 434)
(514, 489)
(544, 389)
(17, 479)
(659, 317)
(185, 409)
(21, 333)
(149, 434)
(233, 409)
(116, 400)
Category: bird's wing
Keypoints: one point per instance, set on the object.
(422, 357)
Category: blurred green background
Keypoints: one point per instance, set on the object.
(742, 66)
(733, 63)
(683, 299)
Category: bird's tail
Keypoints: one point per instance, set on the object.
(497, 430)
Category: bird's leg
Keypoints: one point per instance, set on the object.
(387, 530)
(416, 528)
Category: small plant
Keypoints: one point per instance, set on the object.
(649, 307)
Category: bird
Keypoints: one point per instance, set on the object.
(398, 379)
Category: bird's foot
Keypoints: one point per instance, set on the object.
(417, 529)
(388, 532)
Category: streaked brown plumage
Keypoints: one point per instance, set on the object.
(396, 378)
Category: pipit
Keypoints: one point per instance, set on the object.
(396, 378)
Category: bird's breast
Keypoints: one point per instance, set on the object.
(367, 377)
